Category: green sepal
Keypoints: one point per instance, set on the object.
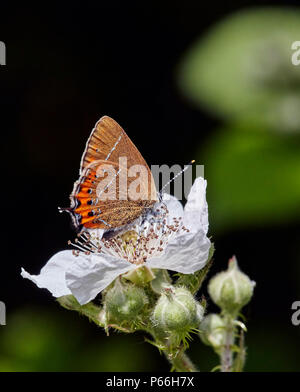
(139, 276)
(161, 281)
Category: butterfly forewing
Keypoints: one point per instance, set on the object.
(94, 205)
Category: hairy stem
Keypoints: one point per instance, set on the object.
(91, 311)
(227, 354)
(176, 356)
(241, 356)
(181, 362)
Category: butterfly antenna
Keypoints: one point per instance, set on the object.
(174, 178)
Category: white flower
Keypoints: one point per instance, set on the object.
(171, 238)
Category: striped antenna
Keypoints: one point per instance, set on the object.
(174, 178)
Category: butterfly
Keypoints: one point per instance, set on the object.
(102, 167)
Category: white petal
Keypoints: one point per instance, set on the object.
(196, 210)
(187, 253)
(90, 274)
(174, 207)
(52, 275)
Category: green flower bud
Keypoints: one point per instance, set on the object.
(125, 302)
(231, 289)
(177, 311)
(212, 331)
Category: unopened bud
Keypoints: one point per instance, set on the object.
(231, 289)
(125, 302)
(177, 310)
(212, 331)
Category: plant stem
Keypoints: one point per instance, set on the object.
(91, 311)
(241, 356)
(227, 354)
(177, 357)
(181, 362)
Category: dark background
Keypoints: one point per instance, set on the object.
(67, 65)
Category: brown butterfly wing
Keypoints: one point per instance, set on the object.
(108, 142)
(94, 212)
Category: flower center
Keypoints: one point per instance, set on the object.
(137, 244)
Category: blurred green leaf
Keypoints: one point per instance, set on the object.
(242, 68)
(253, 177)
(58, 340)
(34, 341)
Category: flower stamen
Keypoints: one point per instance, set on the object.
(137, 244)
